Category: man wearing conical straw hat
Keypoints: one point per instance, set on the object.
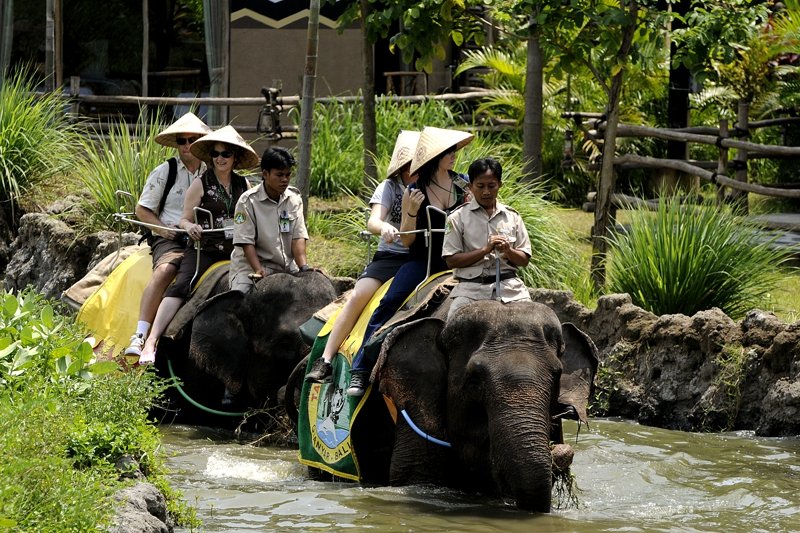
(439, 186)
(161, 203)
(384, 220)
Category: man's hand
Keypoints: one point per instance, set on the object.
(165, 233)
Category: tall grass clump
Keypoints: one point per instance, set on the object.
(65, 418)
(687, 258)
(121, 160)
(37, 140)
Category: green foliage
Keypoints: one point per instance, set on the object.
(713, 30)
(428, 26)
(37, 141)
(686, 258)
(122, 160)
(65, 418)
(337, 150)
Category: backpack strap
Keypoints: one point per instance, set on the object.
(171, 175)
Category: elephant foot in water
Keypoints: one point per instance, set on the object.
(562, 457)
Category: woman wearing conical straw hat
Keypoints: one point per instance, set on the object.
(216, 191)
(439, 186)
(384, 220)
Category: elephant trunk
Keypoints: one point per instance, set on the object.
(519, 433)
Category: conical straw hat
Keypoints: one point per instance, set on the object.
(247, 157)
(436, 141)
(188, 124)
(403, 151)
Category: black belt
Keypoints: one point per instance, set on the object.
(485, 280)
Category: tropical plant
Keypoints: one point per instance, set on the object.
(686, 258)
(121, 160)
(37, 139)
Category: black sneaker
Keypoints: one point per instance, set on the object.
(320, 372)
(358, 384)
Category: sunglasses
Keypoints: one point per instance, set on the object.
(183, 140)
(227, 154)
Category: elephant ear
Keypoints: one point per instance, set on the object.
(412, 371)
(219, 342)
(579, 363)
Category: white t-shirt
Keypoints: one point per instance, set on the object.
(154, 189)
(389, 193)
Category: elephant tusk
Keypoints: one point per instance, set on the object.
(421, 433)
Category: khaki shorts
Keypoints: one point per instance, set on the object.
(165, 251)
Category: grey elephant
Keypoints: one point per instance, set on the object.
(243, 347)
(488, 386)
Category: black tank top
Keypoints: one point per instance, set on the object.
(221, 205)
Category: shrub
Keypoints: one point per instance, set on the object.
(64, 420)
(37, 141)
(687, 258)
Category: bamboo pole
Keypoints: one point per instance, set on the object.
(307, 109)
(739, 198)
(6, 36)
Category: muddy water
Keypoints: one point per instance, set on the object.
(631, 478)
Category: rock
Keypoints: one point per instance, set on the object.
(49, 256)
(141, 509)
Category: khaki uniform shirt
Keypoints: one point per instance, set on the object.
(468, 228)
(271, 227)
(154, 189)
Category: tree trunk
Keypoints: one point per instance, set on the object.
(532, 122)
(368, 94)
(307, 105)
(603, 210)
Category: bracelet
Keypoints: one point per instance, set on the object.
(409, 214)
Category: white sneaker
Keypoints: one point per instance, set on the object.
(135, 347)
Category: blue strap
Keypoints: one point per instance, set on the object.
(421, 433)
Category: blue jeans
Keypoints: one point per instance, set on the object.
(405, 281)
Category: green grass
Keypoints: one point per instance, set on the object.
(37, 142)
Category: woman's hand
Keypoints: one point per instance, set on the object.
(388, 233)
(412, 200)
(195, 231)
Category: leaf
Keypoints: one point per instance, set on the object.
(47, 316)
(10, 306)
(103, 367)
(458, 37)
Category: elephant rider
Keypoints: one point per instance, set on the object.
(160, 204)
(384, 220)
(269, 229)
(439, 186)
(482, 237)
(216, 192)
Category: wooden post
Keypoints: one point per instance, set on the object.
(58, 44)
(722, 163)
(145, 51)
(49, 47)
(738, 197)
(7, 25)
(368, 94)
(74, 91)
(307, 105)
